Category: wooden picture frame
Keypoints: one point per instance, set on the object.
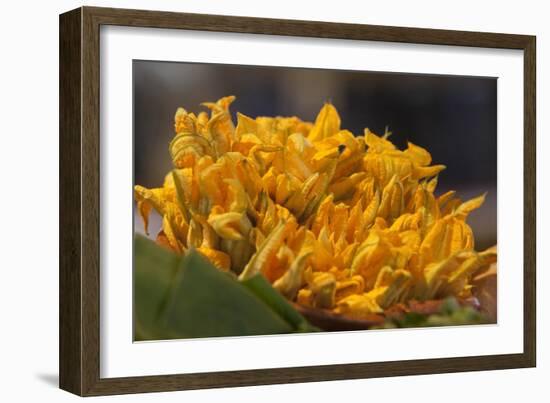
(80, 184)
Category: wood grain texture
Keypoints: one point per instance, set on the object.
(70, 309)
(530, 202)
(90, 201)
(80, 196)
(315, 29)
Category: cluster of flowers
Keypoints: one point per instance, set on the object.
(335, 221)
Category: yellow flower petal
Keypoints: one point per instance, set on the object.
(232, 226)
(333, 220)
(326, 124)
(220, 259)
(358, 306)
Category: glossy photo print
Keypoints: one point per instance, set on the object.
(273, 200)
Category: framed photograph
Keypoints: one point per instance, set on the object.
(249, 201)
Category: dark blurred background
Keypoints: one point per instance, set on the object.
(454, 117)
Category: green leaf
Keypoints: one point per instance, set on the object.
(206, 302)
(450, 314)
(154, 272)
(263, 290)
(181, 297)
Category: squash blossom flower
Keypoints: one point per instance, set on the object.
(333, 220)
